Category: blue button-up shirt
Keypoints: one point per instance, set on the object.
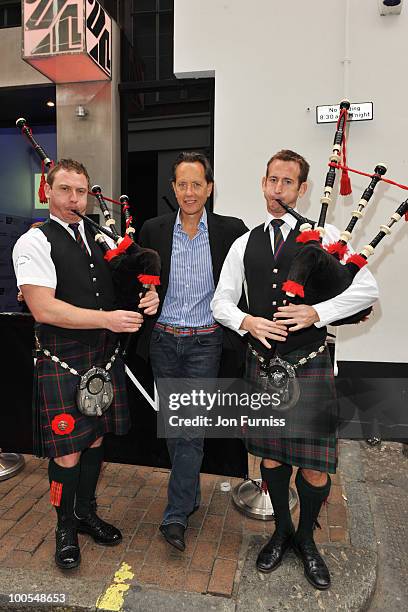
(191, 281)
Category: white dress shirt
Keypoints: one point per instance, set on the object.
(361, 294)
(32, 256)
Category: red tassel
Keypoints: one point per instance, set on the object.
(41, 191)
(337, 248)
(345, 184)
(292, 287)
(406, 216)
(124, 245)
(308, 235)
(147, 279)
(358, 260)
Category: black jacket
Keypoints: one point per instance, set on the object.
(157, 234)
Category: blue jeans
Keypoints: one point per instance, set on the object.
(196, 356)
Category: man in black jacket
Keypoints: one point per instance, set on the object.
(186, 342)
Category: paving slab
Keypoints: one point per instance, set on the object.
(353, 573)
(386, 470)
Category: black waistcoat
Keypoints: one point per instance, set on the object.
(264, 276)
(82, 280)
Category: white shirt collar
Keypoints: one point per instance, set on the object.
(203, 220)
(64, 224)
(287, 218)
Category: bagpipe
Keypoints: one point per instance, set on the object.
(318, 273)
(134, 269)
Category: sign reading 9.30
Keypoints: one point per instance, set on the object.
(359, 111)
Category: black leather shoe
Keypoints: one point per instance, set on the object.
(315, 568)
(174, 534)
(67, 553)
(272, 553)
(101, 532)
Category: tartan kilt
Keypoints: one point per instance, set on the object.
(55, 395)
(312, 452)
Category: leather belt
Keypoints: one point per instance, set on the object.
(186, 331)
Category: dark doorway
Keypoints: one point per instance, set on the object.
(142, 186)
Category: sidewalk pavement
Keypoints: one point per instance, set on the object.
(217, 570)
(386, 473)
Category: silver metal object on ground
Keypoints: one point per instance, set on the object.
(374, 441)
(251, 499)
(10, 464)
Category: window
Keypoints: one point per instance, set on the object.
(10, 14)
(153, 37)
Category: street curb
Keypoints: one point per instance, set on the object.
(81, 595)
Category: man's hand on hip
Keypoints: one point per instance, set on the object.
(297, 316)
(261, 329)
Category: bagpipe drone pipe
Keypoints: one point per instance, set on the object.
(134, 269)
(319, 273)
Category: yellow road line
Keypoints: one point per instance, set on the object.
(113, 598)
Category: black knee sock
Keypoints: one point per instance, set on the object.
(63, 486)
(311, 499)
(91, 462)
(277, 480)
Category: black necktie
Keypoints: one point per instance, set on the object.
(278, 240)
(78, 237)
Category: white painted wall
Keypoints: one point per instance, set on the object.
(273, 60)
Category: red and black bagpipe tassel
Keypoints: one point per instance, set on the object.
(22, 124)
(345, 184)
(41, 190)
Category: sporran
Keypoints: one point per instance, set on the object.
(278, 378)
(95, 392)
